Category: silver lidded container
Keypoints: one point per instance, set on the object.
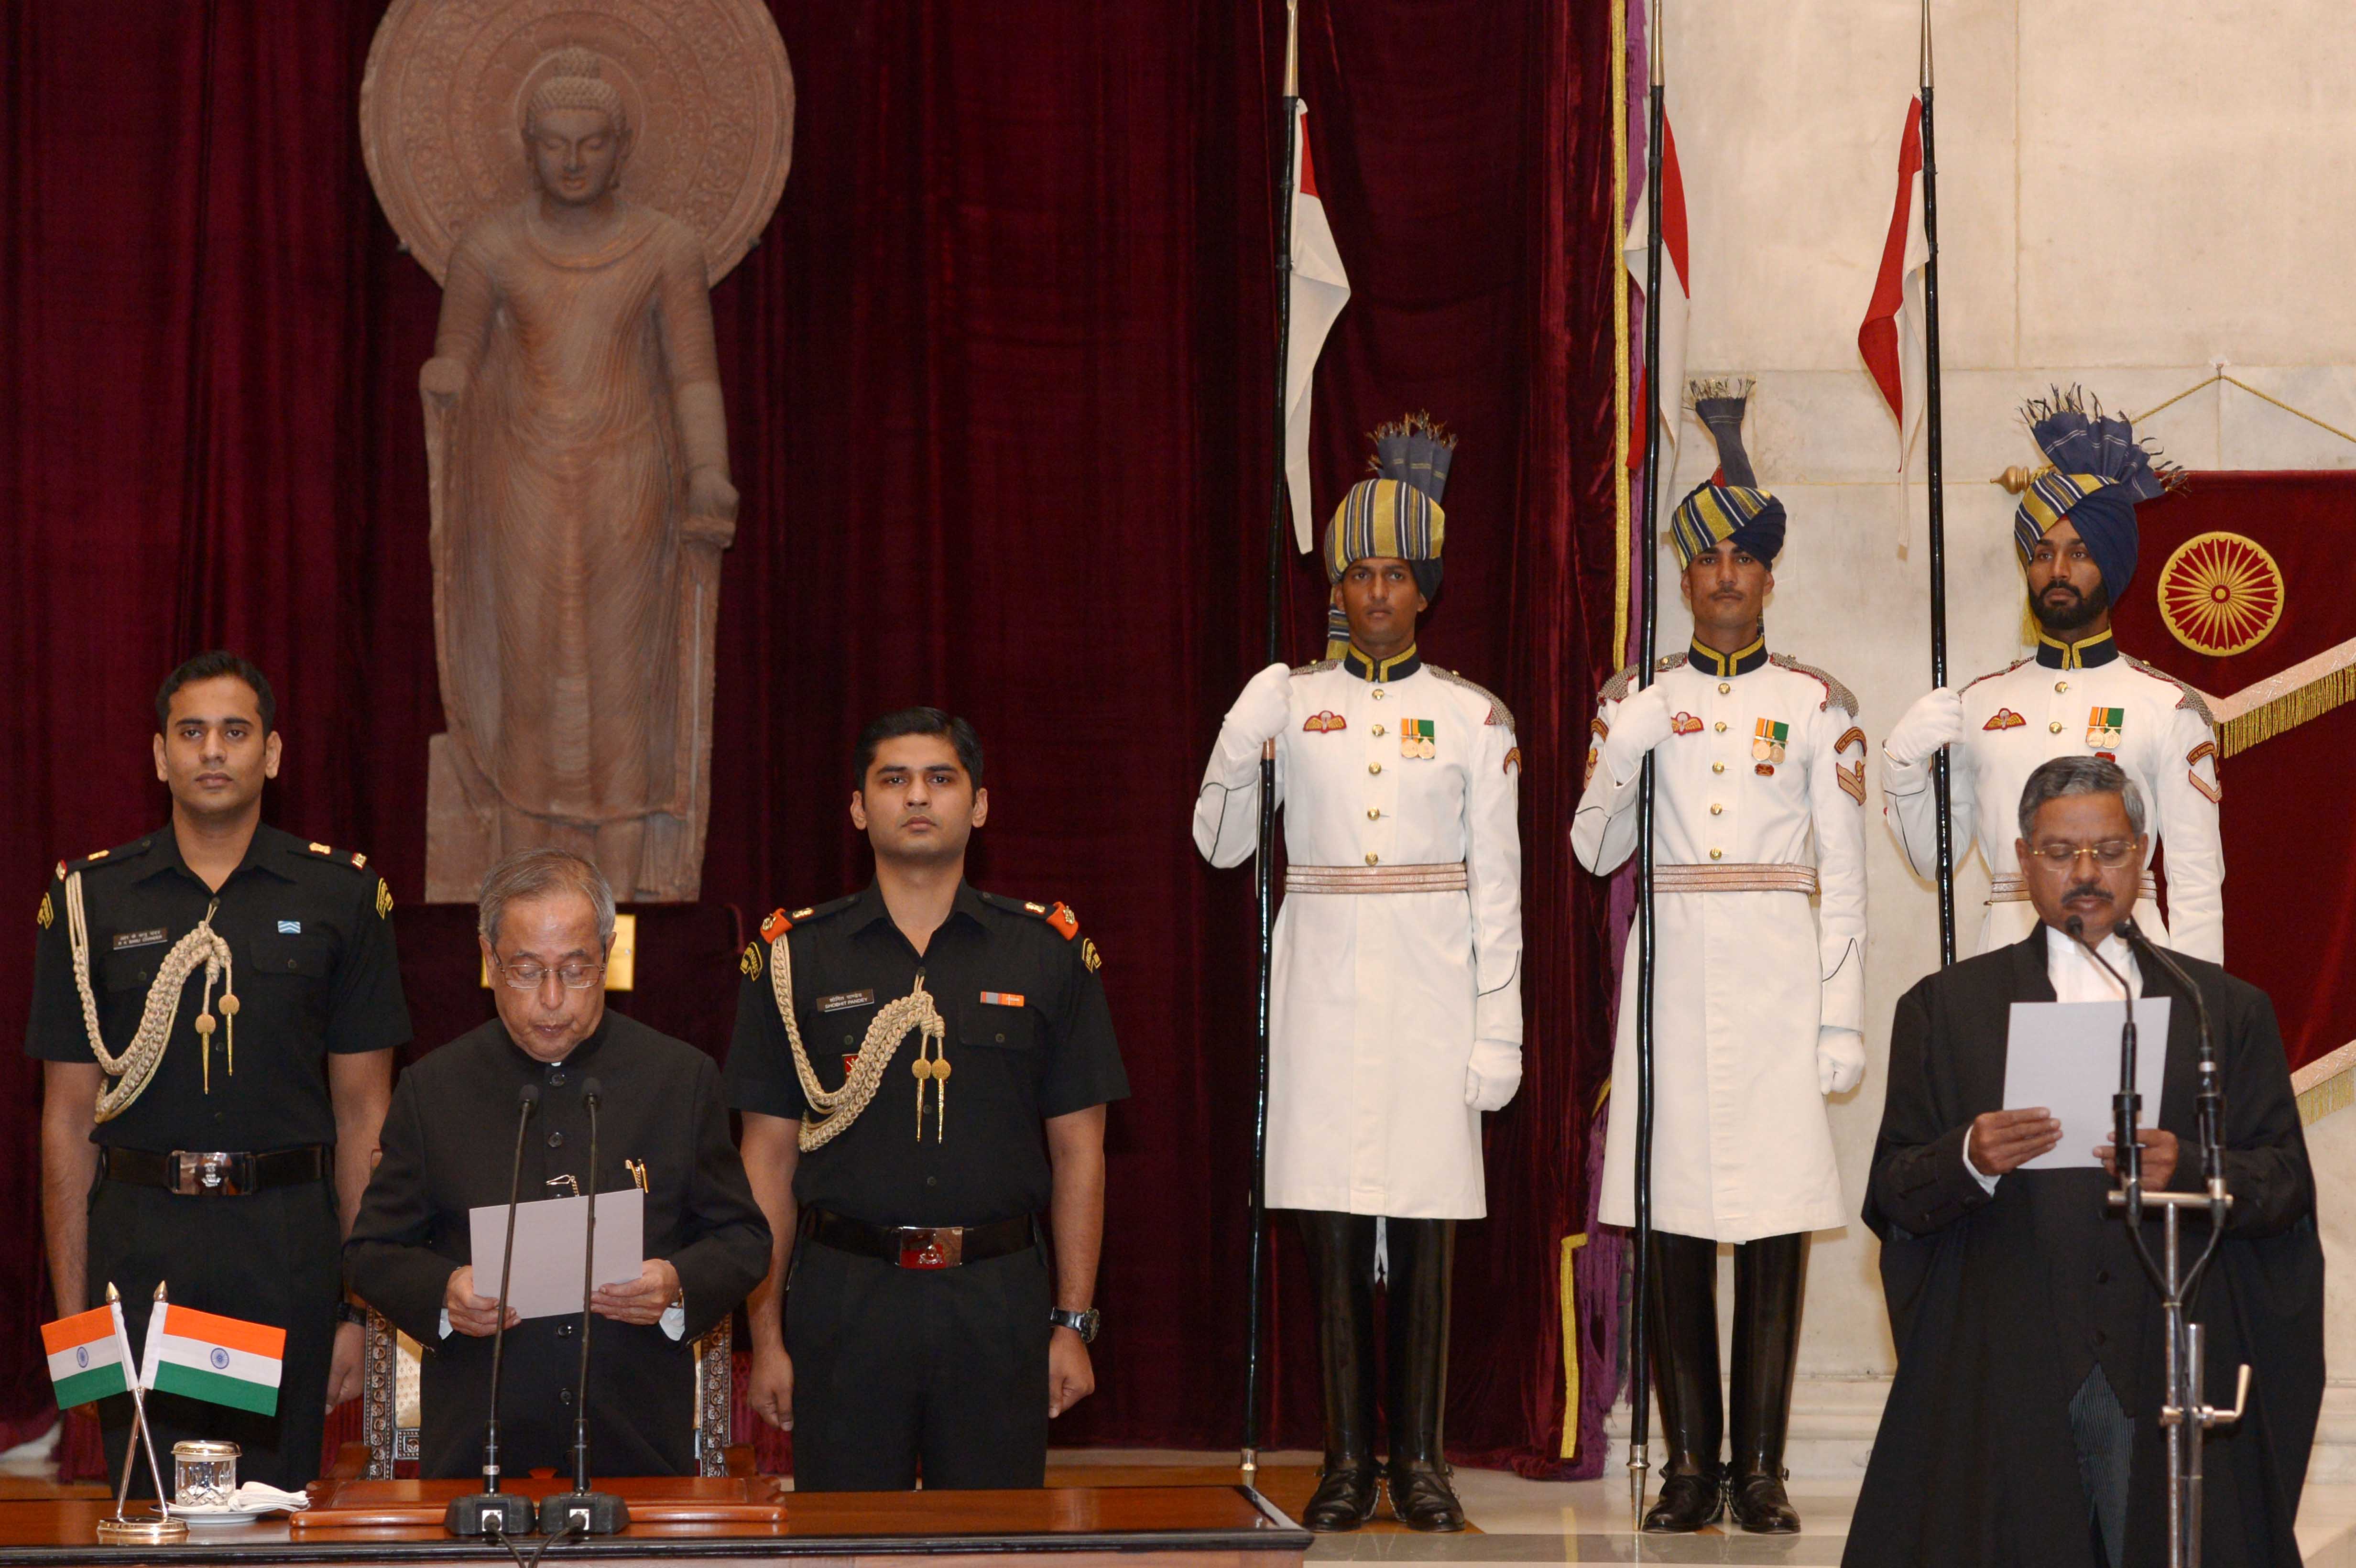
(204, 1474)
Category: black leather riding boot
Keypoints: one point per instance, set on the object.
(1768, 1276)
(1341, 1249)
(1681, 1321)
(1420, 1254)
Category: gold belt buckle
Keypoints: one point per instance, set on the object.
(932, 1247)
(204, 1175)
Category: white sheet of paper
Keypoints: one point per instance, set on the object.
(549, 1238)
(2064, 1056)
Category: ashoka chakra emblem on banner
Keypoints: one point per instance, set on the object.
(2220, 594)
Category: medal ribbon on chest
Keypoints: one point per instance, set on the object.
(1415, 740)
(1767, 742)
(2104, 728)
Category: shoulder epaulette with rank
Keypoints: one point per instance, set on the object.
(1834, 690)
(2187, 696)
(1066, 924)
(1498, 712)
(1994, 673)
(1317, 667)
(115, 856)
(327, 852)
(1622, 682)
(783, 921)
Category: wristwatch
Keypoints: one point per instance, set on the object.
(1083, 1324)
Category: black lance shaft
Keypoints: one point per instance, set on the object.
(1934, 454)
(1263, 862)
(1643, 542)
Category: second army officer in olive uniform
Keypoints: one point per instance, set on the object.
(215, 1007)
(933, 1085)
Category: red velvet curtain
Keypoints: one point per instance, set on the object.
(999, 400)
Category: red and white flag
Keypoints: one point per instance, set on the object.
(1890, 340)
(1676, 294)
(1320, 289)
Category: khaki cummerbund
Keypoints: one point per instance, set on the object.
(1442, 879)
(2015, 889)
(1746, 877)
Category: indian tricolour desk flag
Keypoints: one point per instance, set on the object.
(90, 1355)
(1890, 339)
(222, 1360)
(1320, 288)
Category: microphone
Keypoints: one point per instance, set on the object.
(580, 1511)
(491, 1511)
(2211, 1099)
(2126, 1106)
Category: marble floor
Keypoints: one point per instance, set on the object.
(1521, 1521)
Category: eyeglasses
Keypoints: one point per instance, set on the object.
(2110, 854)
(578, 976)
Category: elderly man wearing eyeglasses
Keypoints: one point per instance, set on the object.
(546, 928)
(2024, 1425)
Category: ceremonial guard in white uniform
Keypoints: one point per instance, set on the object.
(1757, 1007)
(1397, 1011)
(2075, 529)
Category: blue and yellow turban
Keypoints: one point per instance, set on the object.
(1396, 515)
(1731, 505)
(2099, 472)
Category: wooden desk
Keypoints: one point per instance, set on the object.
(1079, 1526)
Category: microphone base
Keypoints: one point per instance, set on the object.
(488, 1513)
(591, 1513)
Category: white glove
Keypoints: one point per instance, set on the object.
(1492, 1074)
(1936, 720)
(1641, 724)
(1259, 713)
(1840, 1060)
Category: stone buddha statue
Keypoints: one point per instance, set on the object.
(579, 459)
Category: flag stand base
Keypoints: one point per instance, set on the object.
(156, 1529)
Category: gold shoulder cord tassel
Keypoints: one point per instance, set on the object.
(133, 1069)
(837, 1110)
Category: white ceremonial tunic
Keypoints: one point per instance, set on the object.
(2036, 710)
(1742, 980)
(1377, 998)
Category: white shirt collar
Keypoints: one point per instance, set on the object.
(2078, 978)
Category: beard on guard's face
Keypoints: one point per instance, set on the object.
(2061, 608)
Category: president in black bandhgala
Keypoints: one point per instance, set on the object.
(547, 929)
(2023, 1425)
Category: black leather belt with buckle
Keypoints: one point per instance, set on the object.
(194, 1173)
(920, 1246)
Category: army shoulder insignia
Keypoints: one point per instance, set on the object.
(47, 915)
(1324, 724)
(2003, 718)
(1089, 955)
(2105, 727)
(751, 963)
(383, 900)
(1588, 776)
(1062, 918)
(1514, 760)
(1852, 779)
(1684, 724)
(775, 927)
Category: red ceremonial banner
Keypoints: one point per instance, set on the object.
(2242, 590)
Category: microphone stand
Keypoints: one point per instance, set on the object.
(580, 1511)
(491, 1511)
(2183, 1408)
(2185, 1414)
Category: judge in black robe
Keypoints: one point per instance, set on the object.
(448, 1143)
(2002, 1302)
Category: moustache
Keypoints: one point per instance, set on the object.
(2089, 891)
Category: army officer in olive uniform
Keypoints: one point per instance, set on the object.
(923, 1071)
(546, 927)
(215, 1007)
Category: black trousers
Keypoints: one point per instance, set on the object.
(274, 1258)
(899, 1372)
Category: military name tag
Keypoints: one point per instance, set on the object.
(843, 1001)
(138, 939)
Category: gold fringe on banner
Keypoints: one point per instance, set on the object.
(2273, 715)
(2326, 1084)
(1571, 1245)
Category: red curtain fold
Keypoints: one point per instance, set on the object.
(1000, 403)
